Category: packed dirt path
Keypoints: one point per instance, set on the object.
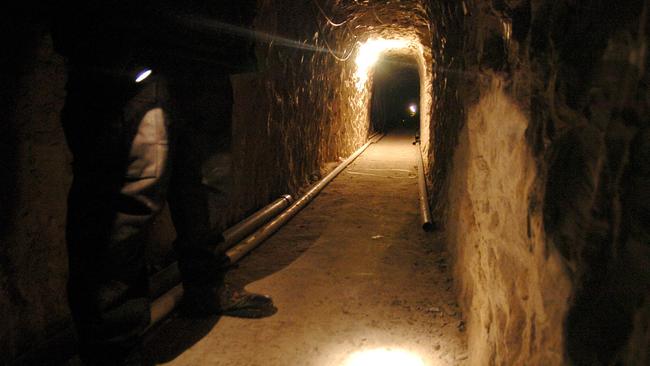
(352, 273)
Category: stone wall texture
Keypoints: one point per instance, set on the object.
(514, 288)
(541, 117)
(35, 176)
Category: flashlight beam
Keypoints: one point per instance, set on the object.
(210, 25)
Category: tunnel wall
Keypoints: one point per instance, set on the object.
(515, 290)
(305, 107)
(540, 149)
(35, 176)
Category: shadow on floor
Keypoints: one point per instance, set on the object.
(171, 338)
(179, 333)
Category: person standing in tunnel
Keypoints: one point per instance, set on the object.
(147, 82)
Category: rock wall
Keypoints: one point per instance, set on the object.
(540, 153)
(300, 111)
(514, 288)
(35, 176)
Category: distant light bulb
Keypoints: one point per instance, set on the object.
(413, 108)
(384, 357)
(143, 75)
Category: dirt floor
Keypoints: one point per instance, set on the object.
(353, 276)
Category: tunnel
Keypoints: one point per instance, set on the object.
(520, 127)
(395, 94)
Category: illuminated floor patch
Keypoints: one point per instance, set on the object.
(384, 357)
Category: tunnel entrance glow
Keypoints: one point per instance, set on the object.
(384, 357)
(369, 53)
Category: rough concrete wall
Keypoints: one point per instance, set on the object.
(448, 88)
(596, 206)
(515, 290)
(543, 204)
(299, 112)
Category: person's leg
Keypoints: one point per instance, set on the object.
(117, 133)
(204, 109)
(189, 199)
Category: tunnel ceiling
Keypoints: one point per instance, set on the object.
(405, 61)
(398, 67)
(379, 19)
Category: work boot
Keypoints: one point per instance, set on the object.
(228, 301)
(240, 303)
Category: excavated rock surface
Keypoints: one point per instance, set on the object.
(544, 104)
(515, 289)
(33, 185)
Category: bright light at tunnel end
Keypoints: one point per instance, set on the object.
(369, 53)
(384, 357)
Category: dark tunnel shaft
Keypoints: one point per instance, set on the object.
(395, 102)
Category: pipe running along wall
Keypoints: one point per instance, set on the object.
(425, 212)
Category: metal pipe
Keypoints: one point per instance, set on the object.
(166, 301)
(233, 235)
(161, 281)
(255, 239)
(165, 304)
(238, 232)
(425, 211)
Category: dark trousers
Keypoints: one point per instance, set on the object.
(135, 145)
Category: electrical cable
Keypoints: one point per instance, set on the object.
(347, 54)
(329, 20)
